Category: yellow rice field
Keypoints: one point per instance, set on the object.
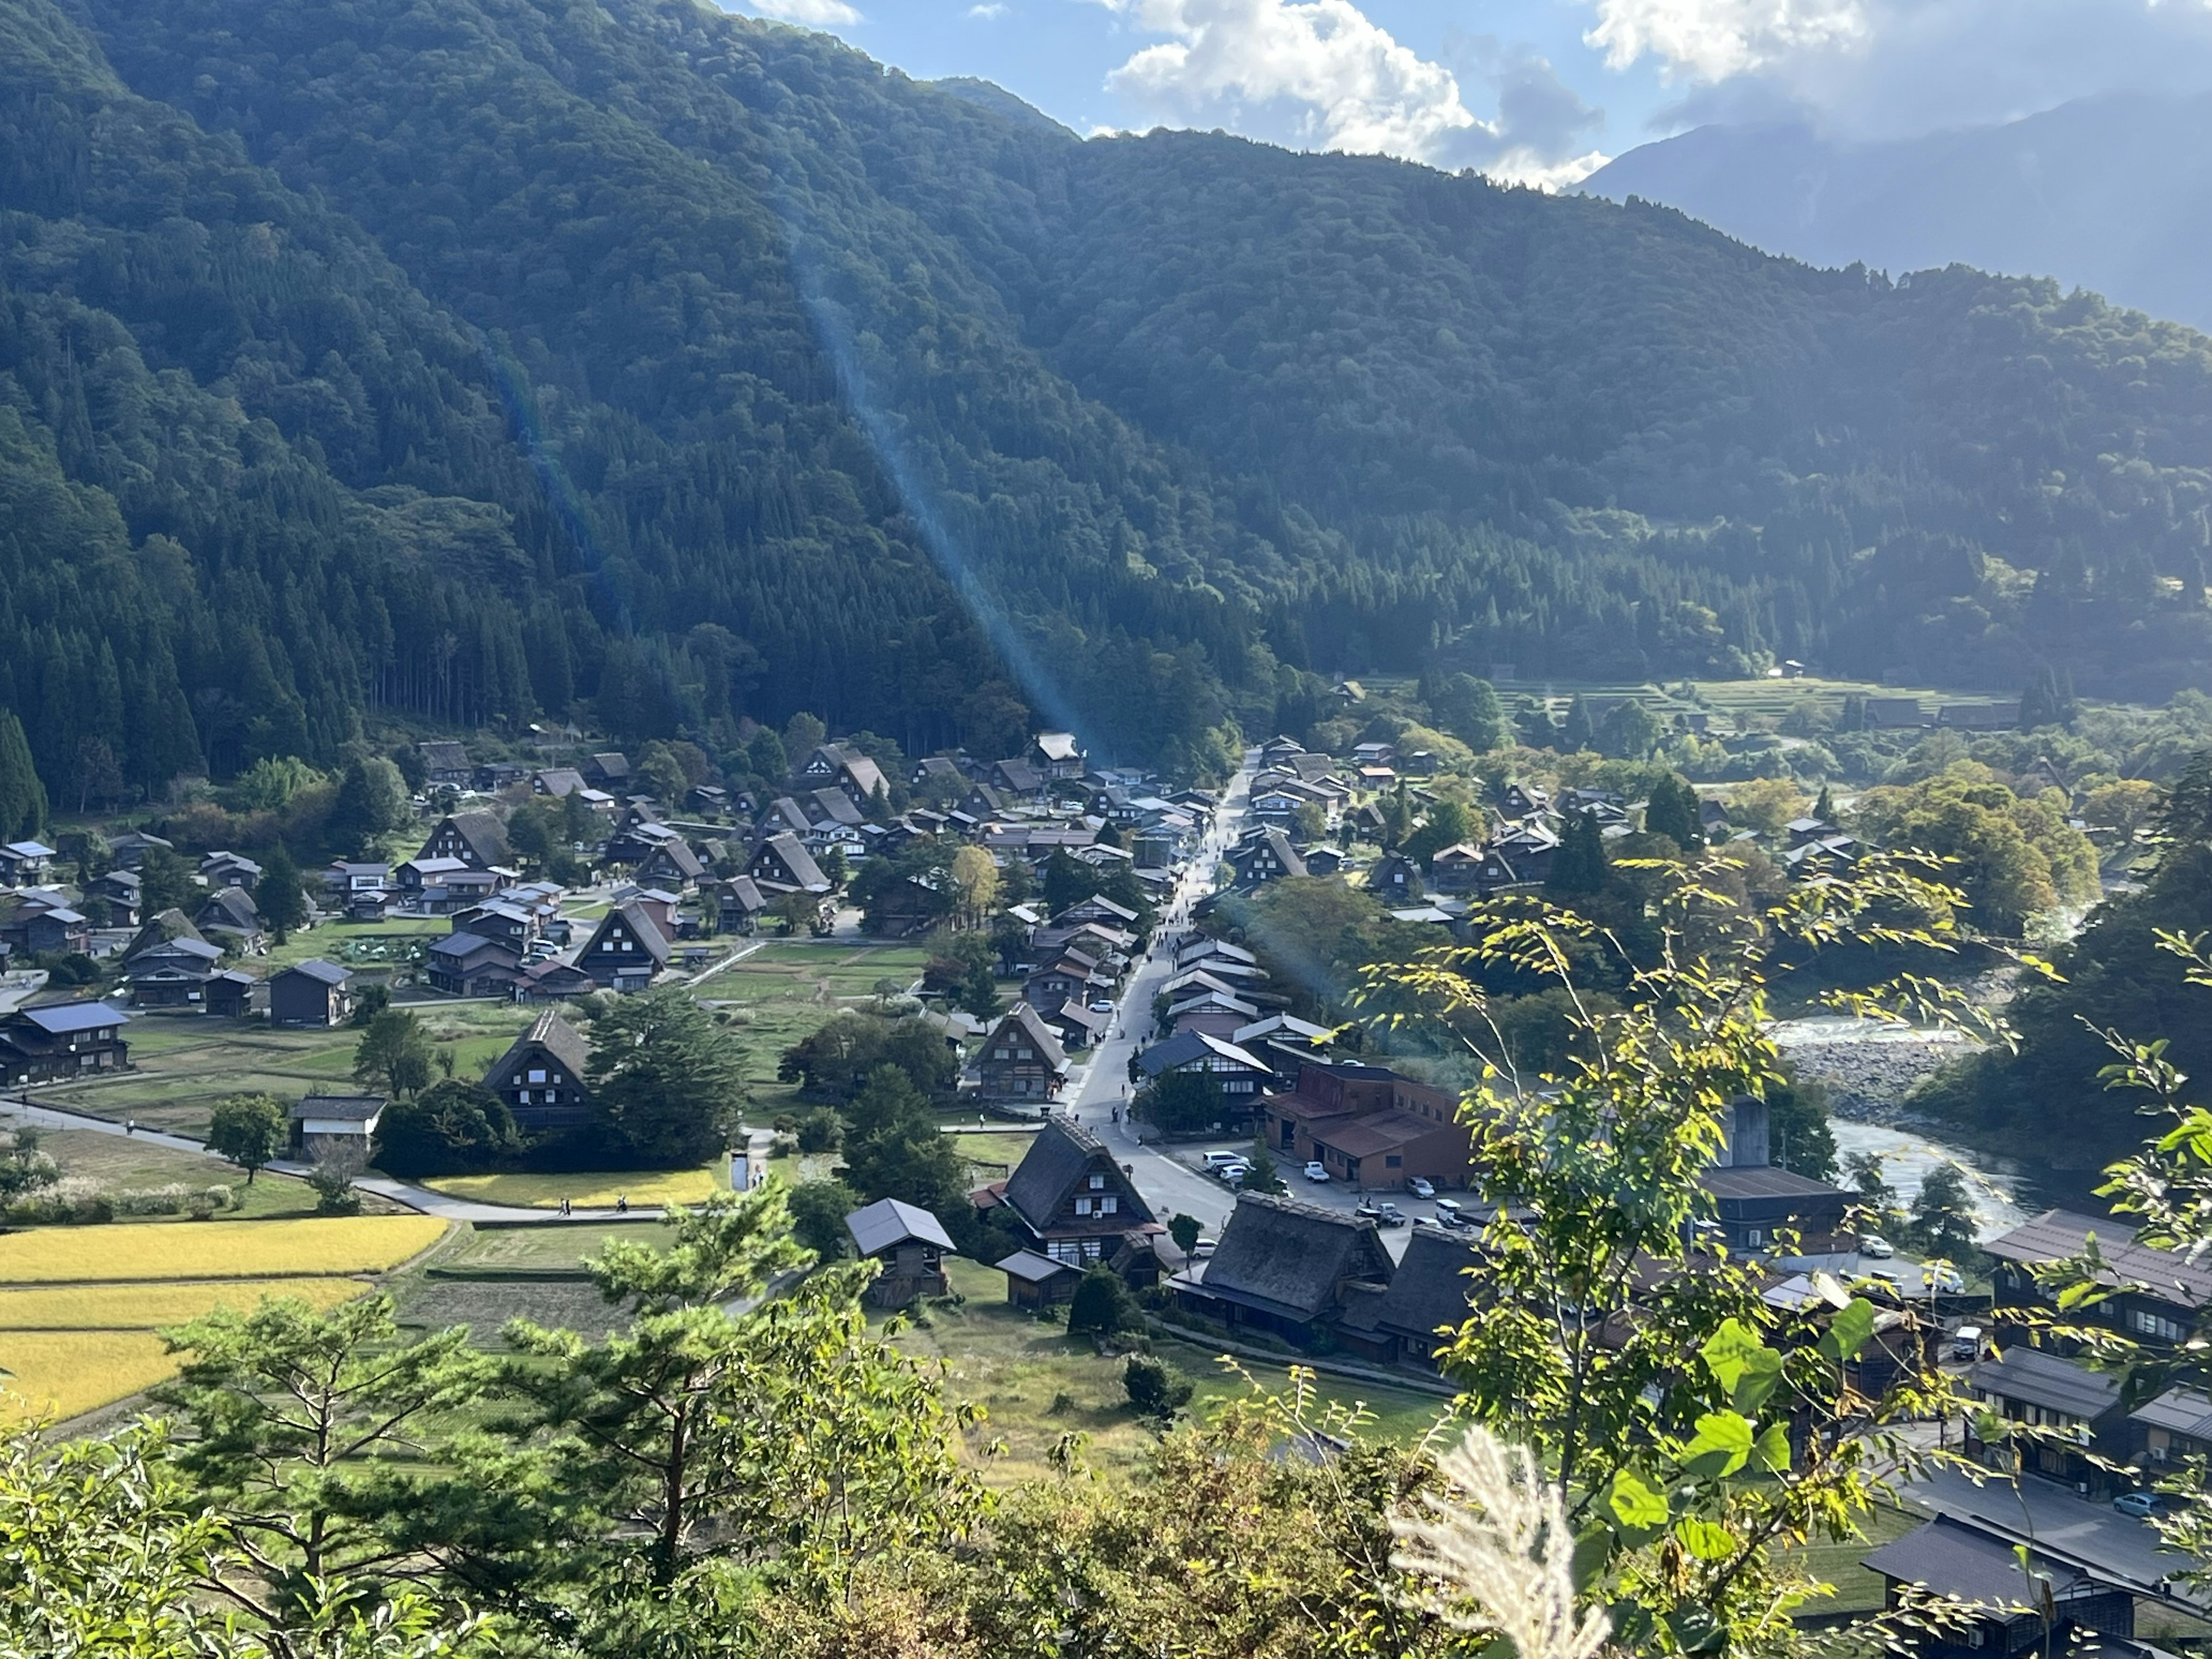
(586, 1190)
(215, 1249)
(148, 1307)
(60, 1374)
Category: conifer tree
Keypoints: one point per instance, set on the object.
(22, 796)
(1579, 865)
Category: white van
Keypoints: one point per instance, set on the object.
(1218, 1161)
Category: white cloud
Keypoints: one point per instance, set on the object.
(1712, 39)
(987, 11)
(1321, 74)
(1317, 71)
(814, 13)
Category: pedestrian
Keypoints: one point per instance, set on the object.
(622, 1203)
(129, 1126)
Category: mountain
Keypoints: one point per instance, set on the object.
(2111, 193)
(470, 361)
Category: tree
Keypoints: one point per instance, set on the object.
(1450, 823)
(1102, 1306)
(1155, 1388)
(787, 1437)
(1672, 811)
(818, 1209)
(978, 993)
(839, 1057)
(893, 1149)
(2047, 701)
(1943, 1215)
(372, 802)
(1578, 732)
(1263, 1176)
(2121, 808)
(1579, 867)
(797, 910)
(1469, 709)
(1698, 1430)
(1824, 805)
(167, 881)
(663, 774)
(1877, 1197)
(765, 753)
(975, 880)
(802, 735)
(22, 796)
(1798, 1131)
(97, 775)
(667, 1081)
(249, 1130)
(278, 895)
(315, 1434)
(368, 1002)
(394, 1050)
(450, 1127)
(1180, 1103)
(1186, 1230)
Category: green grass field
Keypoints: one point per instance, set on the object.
(789, 988)
(119, 1164)
(182, 1064)
(1035, 1385)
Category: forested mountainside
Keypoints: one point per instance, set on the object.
(475, 359)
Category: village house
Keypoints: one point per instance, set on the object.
(314, 994)
(1076, 1205)
(635, 834)
(1021, 1061)
(1430, 1296)
(1070, 977)
(541, 1078)
(1752, 1203)
(2035, 1387)
(1213, 1012)
(1079, 1027)
(340, 1125)
(1055, 755)
(910, 1243)
(552, 980)
(781, 866)
(41, 924)
(1396, 880)
(609, 771)
(25, 863)
(1287, 1269)
(1368, 1127)
(56, 1042)
(1036, 1281)
(2153, 1296)
(1264, 856)
(852, 775)
(446, 764)
(225, 869)
(478, 840)
(171, 973)
(1241, 1076)
(2001, 1589)
(627, 949)
(671, 864)
(229, 917)
(128, 850)
(231, 994)
(122, 892)
(469, 965)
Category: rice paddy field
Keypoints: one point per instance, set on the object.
(317, 1246)
(81, 1307)
(788, 988)
(592, 1191)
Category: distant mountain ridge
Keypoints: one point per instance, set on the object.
(2111, 193)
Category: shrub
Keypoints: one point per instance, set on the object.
(1155, 1388)
(820, 1131)
(1103, 1306)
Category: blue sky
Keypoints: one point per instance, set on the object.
(1538, 91)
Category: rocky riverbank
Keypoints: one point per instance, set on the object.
(1867, 1068)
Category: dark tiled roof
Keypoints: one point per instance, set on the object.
(1961, 1562)
(1288, 1257)
(358, 1109)
(1377, 1131)
(887, 1222)
(2038, 1378)
(1431, 1286)
(2057, 1235)
(315, 967)
(1033, 1268)
(1763, 1181)
(59, 1019)
(555, 1037)
(1036, 1031)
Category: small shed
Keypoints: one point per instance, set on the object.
(1035, 1280)
(315, 992)
(910, 1243)
(335, 1123)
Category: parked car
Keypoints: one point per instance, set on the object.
(1221, 1160)
(1203, 1249)
(1232, 1174)
(1967, 1342)
(1876, 1245)
(1103, 1005)
(1945, 1281)
(1421, 1187)
(2140, 1504)
(1385, 1214)
(1447, 1213)
(1315, 1171)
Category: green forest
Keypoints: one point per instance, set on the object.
(502, 360)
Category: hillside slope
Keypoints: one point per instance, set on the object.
(473, 361)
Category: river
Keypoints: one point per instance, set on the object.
(1869, 1068)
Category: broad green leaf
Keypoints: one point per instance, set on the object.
(1635, 1505)
(1722, 1447)
(1744, 1366)
(1696, 1630)
(1706, 1540)
(1593, 1551)
(1848, 1331)
(1773, 1449)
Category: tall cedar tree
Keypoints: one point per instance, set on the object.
(1579, 867)
(278, 895)
(666, 1081)
(22, 796)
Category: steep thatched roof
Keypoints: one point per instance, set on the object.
(1288, 1258)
